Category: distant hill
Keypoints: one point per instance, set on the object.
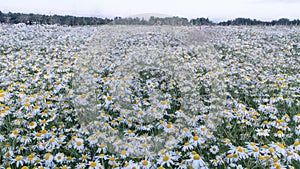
(147, 16)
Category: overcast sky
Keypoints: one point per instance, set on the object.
(216, 10)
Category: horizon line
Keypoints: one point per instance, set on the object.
(213, 19)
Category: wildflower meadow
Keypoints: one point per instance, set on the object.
(149, 97)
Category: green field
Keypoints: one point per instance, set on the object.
(149, 97)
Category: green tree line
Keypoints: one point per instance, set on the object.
(248, 21)
(14, 18)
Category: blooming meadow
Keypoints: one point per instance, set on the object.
(149, 97)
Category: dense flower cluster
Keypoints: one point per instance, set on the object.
(149, 97)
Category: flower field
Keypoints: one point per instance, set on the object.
(148, 97)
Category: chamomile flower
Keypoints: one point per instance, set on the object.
(145, 164)
(277, 165)
(214, 149)
(197, 161)
(240, 151)
(166, 159)
(59, 157)
(19, 160)
(78, 144)
(292, 154)
(263, 132)
(14, 133)
(102, 148)
(297, 145)
(131, 164)
(81, 166)
(217, 161)
(31, 158)
(279, 134)
(112, 160)
(124, 154)
(187, 146)
(48, 158)
(92, 140)
(196, 140)
(253, 150)
(25, 139)
(296, 118)
(169, 128)
(95, 165)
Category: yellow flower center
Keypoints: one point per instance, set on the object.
(96, 75)
(15, 132)
(27, 104)
(38, 134)
(18, 158)
(83, 96)
(78, 143)
(165, 158)
(196, 157)
(195, 138)
(109, 98)
(93, 164)
(281, 145)
(30, 157)
(145, 163)
(229, 156)
(126, 164)
(169, 125)
(240, 149)
(47, 156)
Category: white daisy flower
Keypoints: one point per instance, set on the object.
(59, 157)
(214, 149)
(78, 144)
(166, 159)
(95, 165)
(145, 164)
